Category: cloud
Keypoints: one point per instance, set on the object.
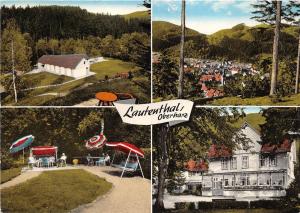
(221, 4)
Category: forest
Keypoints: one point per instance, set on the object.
(62, 22)
(68, 30)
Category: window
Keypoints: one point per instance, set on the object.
(262, 161)
(224, 164)
(245, 163)
(226, 182)
(273, 161)
(245, 180)
(233, 181)
(233, 164)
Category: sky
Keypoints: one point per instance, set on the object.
(205, 16)
(112, 7)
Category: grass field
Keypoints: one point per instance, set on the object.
(9, 174)
(45, 78)
(112, 67)
(54, 191)
(259, 101)
(254, 119)
(138, 15)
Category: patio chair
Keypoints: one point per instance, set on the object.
(45, 162)
(100, 161)
(51, 161)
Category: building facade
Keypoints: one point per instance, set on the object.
(75, 65)
(254, 170)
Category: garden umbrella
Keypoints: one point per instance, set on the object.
(21, 144)
(96, 142)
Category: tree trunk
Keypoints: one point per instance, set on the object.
(298, 68)
(181, 67)
(275, 49)
(13, 71)
(162, 166)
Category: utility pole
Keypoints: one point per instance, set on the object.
(13, 70)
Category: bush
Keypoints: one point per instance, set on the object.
(205, 205)
(229, 204)
(267, 204)
(192, 206)
(181, 205)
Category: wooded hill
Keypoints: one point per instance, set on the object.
(138, 15)
(238, 43)
(61, 22)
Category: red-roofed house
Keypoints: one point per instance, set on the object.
(249, 171)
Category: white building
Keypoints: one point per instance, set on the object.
(75, 65)
(258, 171)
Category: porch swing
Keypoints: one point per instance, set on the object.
(133, 152)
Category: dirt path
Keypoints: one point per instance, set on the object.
(19, 179)
(90, 102)
(128, 195)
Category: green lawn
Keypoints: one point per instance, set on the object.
(139, 86)
(54, 191)
(228, 211)
(259, 101)
(45, 78)
(9, 174)
(112, 67)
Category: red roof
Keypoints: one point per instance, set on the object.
(194, 166)
(206, 78)
(219, 151)
(218, 77)
(66, 61)
(214, 93)
(285, 146)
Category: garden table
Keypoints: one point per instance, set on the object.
(106, 98)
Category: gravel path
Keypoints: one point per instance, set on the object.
(128, 195)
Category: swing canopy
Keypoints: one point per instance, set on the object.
(44, 150)
(126, 147)
(21, 143)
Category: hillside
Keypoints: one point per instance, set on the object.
(241, 42)
(166, 34)
(243, 32)
(254, 119)
(138, 15)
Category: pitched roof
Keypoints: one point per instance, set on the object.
(284, 146)
(216, 151)
(194, 166)
(67, 61)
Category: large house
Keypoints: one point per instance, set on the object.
(75, 65)
(253, 171)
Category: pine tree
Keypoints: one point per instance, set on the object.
(272, 12)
